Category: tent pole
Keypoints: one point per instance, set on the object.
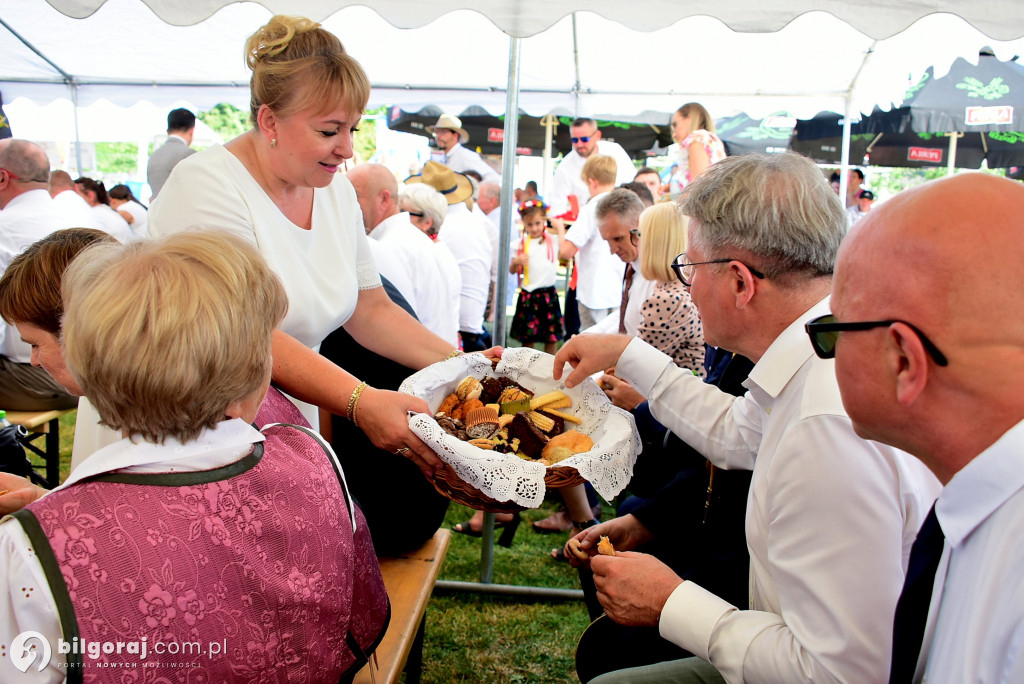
(78, 142)
(576, 65)
(951, 160)
(550, 123)
(508, 160)
(844, 160)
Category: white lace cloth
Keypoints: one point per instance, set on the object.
(506, 477)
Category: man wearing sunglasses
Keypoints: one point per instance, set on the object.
(830, 517)
(586, 142)
(930, 358)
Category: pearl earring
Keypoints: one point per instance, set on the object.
(273, 143)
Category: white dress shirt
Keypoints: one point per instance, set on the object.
(567, 179)
(639, 291)
(462, 159)
(830, 517)
(450, 269)
(975, 627)
(431, 297)
(29, 217)
(20, 567)
(465, 234)
(599, 284)
(76, 210)
(392, 268)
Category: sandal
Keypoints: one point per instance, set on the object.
(510, 525)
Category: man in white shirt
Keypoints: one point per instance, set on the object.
(417, 260)
(928, 360)
(67, 200)
(618, 217)
(830, 517)
(586, 142)
(450, 137)
(599, 272)
(27, 214)
(865, 198)
(465, 234)
(488, 204)
(181, 126)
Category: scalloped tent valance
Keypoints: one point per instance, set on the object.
(591, 63)
(998, 19)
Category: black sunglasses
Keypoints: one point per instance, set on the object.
(582, 139)
(824, 333)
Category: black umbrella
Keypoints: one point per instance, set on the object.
(487, 131)
(742, 135)
(982, 105)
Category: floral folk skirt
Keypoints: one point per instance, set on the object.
(538, 316)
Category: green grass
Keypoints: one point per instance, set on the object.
(484, 638)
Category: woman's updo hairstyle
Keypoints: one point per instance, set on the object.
(294, 62)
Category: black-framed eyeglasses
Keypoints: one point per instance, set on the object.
(824, 333)
(634, 236)
(581, 139)
(684, 269)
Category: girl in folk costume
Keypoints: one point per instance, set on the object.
(538, 316)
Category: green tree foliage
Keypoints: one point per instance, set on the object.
(116, 158)
(226, 120)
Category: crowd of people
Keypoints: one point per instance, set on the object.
(823, 494)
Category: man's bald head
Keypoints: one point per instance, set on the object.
(61, 181)
(944, 258)
(377, 191)
(24, 167)
(490, 196)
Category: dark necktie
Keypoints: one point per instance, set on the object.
(627, 282)
(912, 608)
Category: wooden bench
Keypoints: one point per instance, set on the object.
(46, 425)
(409, 580)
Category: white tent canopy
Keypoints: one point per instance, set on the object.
(124, 52)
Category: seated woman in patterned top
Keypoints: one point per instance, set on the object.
(670, 322)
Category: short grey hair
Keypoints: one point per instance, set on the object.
(625, 204)
(777, 208)
(426, 200)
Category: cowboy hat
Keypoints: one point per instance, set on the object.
(455, 187)
(452, 123)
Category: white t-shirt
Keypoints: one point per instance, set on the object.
(113, 223)
(140, 224)
(542, 269)
(322, 269)
(567, 179)
(465, 234)
(599, 284)
(423, 264)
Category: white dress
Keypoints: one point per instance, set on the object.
(322, 269)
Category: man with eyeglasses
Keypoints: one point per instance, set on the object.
(586, 141)
(929, 356)
(830, 517)
(27, 214)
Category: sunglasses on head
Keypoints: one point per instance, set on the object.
(581, 139)
(824, 333)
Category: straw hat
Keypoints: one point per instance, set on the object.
(452, 123)
(455, 187)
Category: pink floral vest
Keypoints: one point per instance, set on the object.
(259, 571)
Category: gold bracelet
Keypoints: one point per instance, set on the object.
(453, 355)
(353, 400)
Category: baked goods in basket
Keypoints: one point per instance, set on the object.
(499, 414)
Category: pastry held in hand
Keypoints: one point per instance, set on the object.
(605, 547)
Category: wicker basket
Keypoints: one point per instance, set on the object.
(458, 490)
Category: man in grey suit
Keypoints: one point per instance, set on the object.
(181, 124)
